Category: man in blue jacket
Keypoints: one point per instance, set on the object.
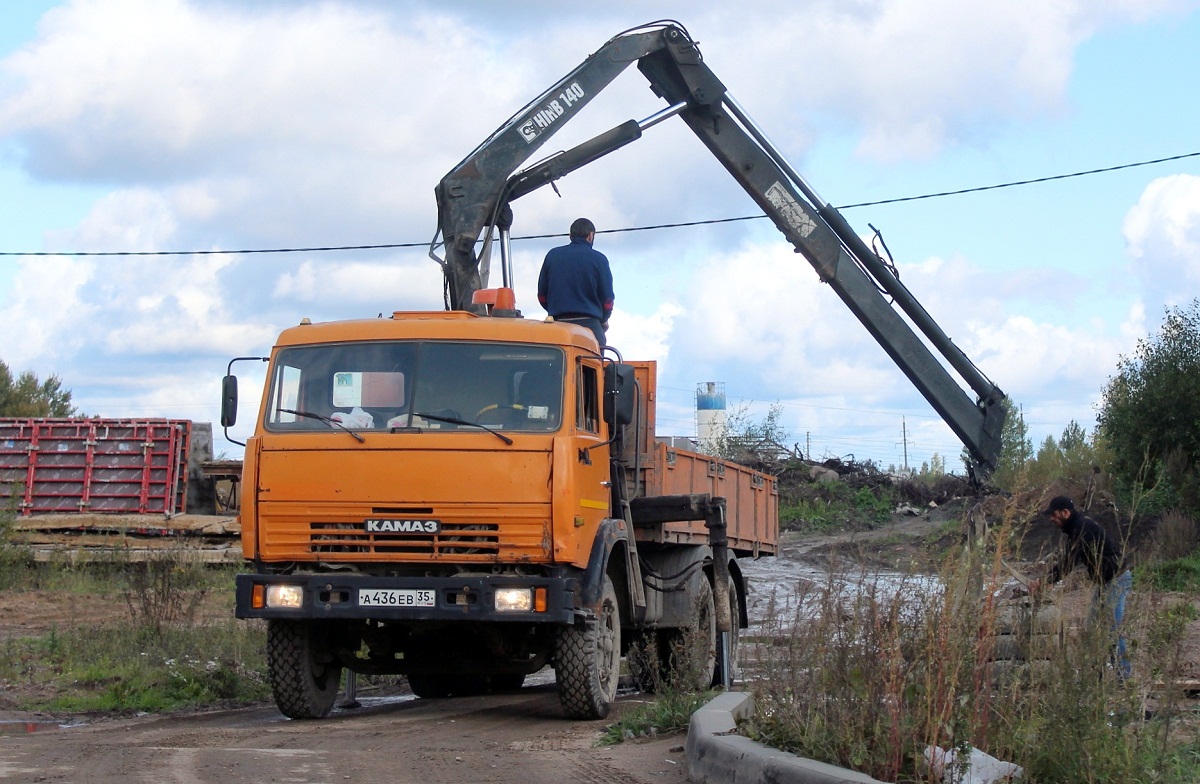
(575, 284)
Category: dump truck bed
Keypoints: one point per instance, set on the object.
(752, 506)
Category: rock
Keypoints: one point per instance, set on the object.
(822, 474)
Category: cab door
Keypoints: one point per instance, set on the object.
(591, 453)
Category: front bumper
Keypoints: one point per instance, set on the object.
(334, 596)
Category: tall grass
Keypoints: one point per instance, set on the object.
(160, 655)
(868, 674)
(125, 668)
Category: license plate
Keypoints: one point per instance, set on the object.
(397, 597)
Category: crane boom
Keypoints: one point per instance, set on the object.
(476, 195)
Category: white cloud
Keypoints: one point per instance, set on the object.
(132, 219)
(759, 319)
(1162, 233)
(909, 77)
(411, 285)
(217, 125)
(46, 319)
(763, 307)
(644, 337)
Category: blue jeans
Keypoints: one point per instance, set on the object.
(1113, 596)
(586, 321)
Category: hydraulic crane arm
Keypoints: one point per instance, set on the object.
(670, 60)
(474, 196)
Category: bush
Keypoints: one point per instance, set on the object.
(165, 590)
(1150, 412)
(1175, 537)
(1181, 575)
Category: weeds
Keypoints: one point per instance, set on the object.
(669, 712)
(128, 667)
(165, 591)
(867, 674)
(676, 667)
(162, 657)
(1181, 575)
(1176, 536)
(15, 559)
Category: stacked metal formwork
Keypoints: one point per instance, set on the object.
(117, 466)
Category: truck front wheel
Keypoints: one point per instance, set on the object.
(588, 661)
(304, 674)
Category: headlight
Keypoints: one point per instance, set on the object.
(514, 600)
(285, 596)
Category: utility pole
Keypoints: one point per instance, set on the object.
(904, 435)
(808, 444)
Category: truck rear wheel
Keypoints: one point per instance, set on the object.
(303, 672)
(588, 661)
(694, 648)
(681, 658)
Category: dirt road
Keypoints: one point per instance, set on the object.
(517, 737)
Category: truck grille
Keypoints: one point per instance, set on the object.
(454, 539)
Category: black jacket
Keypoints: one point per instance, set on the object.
(1089, 545)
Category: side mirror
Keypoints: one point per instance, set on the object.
(229, 395)
(620, 400)
(229, 401)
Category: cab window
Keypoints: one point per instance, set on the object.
(587, 399)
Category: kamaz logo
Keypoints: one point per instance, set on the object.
(402, 526)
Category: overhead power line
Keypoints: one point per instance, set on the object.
(218, 252)
(655, 227)
(1034, 181)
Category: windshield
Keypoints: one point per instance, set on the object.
(427, 385)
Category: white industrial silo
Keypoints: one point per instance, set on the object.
(710, 414)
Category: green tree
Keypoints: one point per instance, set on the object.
(1150, 410)
(1016, 449)
(1074, 438)
(934, 467)
(26, 396)
(747, 440)
(1072, 456)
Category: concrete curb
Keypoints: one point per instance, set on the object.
(717, 755)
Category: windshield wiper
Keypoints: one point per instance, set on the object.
(453, 421)
(327, 420)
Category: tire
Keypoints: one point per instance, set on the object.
(588, 661)
(303, 673)
(734, 640)
(688, 656)
(700, 658)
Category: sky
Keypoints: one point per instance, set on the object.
(213, 125)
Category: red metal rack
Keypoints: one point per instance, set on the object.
(118, 466)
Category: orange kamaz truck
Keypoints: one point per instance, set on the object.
(464, 499)
(467, 496)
